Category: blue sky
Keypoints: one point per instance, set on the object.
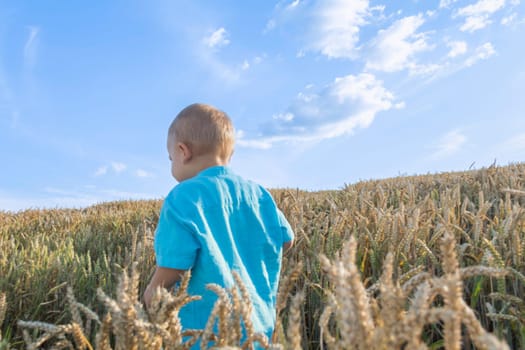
(322, 93)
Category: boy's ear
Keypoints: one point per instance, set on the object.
(186, 152)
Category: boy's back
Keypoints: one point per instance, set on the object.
(215, 223)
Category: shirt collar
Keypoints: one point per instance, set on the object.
(214, 171)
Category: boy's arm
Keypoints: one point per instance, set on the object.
(288, 234)
(163, 277)
(287, 245)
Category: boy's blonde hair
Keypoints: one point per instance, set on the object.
(205, 130)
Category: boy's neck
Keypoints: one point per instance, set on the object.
(202, 162)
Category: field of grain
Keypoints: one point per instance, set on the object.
(421, 262)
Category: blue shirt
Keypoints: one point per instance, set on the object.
(215, 223)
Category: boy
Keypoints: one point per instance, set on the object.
(214, 222)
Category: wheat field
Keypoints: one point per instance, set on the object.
(421, 262)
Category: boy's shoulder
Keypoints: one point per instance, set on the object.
(214, 182)
(186, 189)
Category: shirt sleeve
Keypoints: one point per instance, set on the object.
(175, 244)
(287, 231)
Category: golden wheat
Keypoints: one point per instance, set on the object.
(398, 224)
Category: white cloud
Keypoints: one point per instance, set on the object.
(270, 25)
(118, 167)
(207, 53)
(378, 11)
(483, 52)
(103, 170)
(293, 4)
(239, 133)
(446, 3)
(143, 173)
(257, 144)
(456, 60)
(457, 48)
(30, 47)
(217, 39)
(477, 15)
(287, 117)
(226, 72)
(428, 69)
(449, 144)
(283, 10)
(481, 7)
(509, 19)
(350, 102)
(338, 23)
(474, 23)
(394, 48)
(306, 97)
